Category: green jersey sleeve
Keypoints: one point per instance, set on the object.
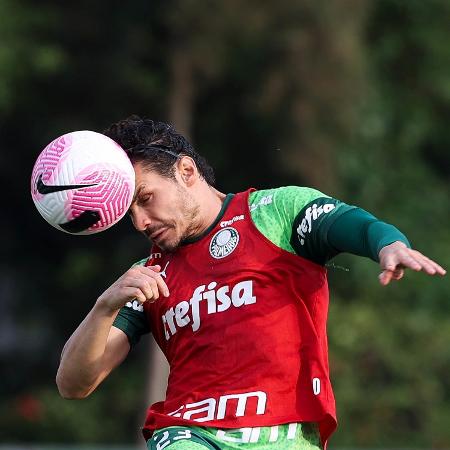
(317, 227)
(132, 319)
(297, 219)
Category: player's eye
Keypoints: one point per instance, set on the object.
(144, 198)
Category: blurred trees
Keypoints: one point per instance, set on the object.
(349, 97)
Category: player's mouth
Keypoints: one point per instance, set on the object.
(156, 235)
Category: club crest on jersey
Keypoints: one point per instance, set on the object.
(224, 242)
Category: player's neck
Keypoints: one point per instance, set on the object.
(211, 206)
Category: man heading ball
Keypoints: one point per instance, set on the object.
(235, 293)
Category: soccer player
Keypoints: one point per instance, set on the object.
(235, 293)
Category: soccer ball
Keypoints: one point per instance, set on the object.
(82, 182)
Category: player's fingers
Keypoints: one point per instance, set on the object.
(134, 293)
(152, 272)
(414, 260)
(394, 258)
(423, 262)
(406, 259)
(419, 263)
(428, 265)
(146, 285)
(398, 274)
(439, 269)
(151, 290)
(385, 277)
(152, 287)
(388, 275)
(146, 270)
(390, 262)
(162, 286)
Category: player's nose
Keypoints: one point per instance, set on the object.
(141, 220)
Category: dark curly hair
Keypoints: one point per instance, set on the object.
(156, 145)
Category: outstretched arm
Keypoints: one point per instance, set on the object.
(396, 257)
(359, 232)
(320, 227)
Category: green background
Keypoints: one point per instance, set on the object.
(347, 96)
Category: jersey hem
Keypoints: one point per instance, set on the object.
(327, 424)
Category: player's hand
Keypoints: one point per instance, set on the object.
(138, 283)
(396, 257)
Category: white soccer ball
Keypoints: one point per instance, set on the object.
(82, 182)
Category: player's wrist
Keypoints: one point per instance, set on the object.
(392, 245)
(104, 306)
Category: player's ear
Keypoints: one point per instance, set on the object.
(187, 170)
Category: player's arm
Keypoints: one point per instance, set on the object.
(343, 228)
(91, 353)
(96, 347)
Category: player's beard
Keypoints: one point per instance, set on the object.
(188, 220)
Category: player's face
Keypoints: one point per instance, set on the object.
(163, 209)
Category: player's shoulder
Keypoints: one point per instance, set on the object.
(295, 197)
(141, 262)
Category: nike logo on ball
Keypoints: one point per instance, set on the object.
(43, 188)
(81, 223)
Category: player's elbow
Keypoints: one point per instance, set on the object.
(71, 394)
(70, 391)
